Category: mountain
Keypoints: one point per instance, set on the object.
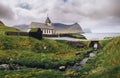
(1, 23)
(63, 28)
(59, 28)
(22, 27)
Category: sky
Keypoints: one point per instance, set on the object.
(96, 15)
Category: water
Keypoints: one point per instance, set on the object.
(82, 63)
(89, 36)
(100, 36)
(66, 38)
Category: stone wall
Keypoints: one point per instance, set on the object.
(37, 35)
(17, 33)
(76, 44)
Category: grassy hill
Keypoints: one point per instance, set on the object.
(4, 29)
(106, 64)
(33, 54)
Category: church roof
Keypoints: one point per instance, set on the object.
(40, 25)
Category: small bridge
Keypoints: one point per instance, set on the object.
(95, 45)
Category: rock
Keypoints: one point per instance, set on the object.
(77, 53)
(45, 47)
(62, 68)
(77, 44)
(10, 67)
(15, 67)
(4, 66)
(77, 64)
(92, 54)
(19, 68)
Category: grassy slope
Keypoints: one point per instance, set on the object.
(5, 28)
(31, 52)
(79, 36)
(106, 64)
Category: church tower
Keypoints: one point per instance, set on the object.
(48, 21)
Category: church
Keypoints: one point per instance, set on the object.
(47, 28)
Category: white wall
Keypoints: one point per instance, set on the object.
(47, 31)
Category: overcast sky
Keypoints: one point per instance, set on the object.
(97, 15)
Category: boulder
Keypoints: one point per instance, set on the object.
(15, 67)
(62, 68)
(4, 66)
(10, 67)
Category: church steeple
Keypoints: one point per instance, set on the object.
(48, 21)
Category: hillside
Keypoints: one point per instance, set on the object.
(106, 64)
(41, 58)
(4, 29)
(37, 58)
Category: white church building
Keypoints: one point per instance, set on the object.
(47, 28)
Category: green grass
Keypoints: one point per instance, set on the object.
(33, 53)
(49, 54)
(34, 29)
(79, 36)
(106, 64)
(4, 29)
(32, 73)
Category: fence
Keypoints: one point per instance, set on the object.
(17, 33)
(37, 35)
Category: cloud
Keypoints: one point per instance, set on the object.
(24, 5)
(6, 12)
(89, 13)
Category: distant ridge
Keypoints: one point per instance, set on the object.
(63, 28)
(59, 27)
(22, 27)
(1, 23)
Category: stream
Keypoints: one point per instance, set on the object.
(77, 66)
